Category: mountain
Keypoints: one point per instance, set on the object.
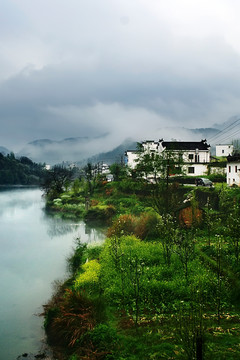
(4, 150)
(205, 133)
(110, 157)
(231, 121)
(86, 149)
(54, 152)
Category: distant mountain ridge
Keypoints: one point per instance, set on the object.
(110, 157)
(4, 150)
(57, 151)
(205, 132)
(81, 150)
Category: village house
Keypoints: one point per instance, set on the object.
(195, 155)
(224, 150)
(233, 170)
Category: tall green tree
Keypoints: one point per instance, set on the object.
(118, 171)
(55, 181)
(158, 169)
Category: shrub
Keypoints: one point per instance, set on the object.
(89, 278)
(124, 225)
(100, 212)
(74, 317)
(146, 226)
(142, 227)
(76, 260)
(103, 337)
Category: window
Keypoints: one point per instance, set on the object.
(191, 170)
(235, 168)
(229, 168)
(222, 151)
(190, 156)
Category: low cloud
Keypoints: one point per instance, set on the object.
(140, 69)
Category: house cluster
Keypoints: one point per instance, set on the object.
(195, 155)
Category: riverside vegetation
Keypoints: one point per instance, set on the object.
(20, 171)
(165, 284)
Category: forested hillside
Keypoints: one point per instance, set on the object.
(21, 171)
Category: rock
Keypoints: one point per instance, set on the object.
(33, 356)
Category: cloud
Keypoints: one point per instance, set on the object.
(81, 68)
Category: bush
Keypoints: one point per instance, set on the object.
(76, 260)
(123, 225)
(74, 316)
(217, 178)
(142, 227)
(100, 212)
(103, 337)
(88, 278)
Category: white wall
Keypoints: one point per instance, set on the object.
(233, 173)
(198, 169)
(132, 156)
(203, 156)
(224, 150)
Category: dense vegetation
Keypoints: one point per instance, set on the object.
(165, 284)
(22, 171)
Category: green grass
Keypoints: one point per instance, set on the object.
(146, 308)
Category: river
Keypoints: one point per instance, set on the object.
(33, 249)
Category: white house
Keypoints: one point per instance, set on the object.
(233, 170)
(131, 157)
(104, 168)
(224, 150)
(195, 155)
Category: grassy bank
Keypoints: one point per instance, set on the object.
(158, 288)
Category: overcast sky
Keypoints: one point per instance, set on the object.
(128, 68)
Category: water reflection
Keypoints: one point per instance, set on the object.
(58, 227)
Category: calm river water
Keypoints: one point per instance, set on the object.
(33, 251)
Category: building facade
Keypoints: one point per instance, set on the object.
(233, 170)
(195, 156)
(224, 150)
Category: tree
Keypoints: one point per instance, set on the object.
(185, 246)
(233, 229)
(55, 181)
(118, 171)
(167, 232)
(90, 172)
(158, 168)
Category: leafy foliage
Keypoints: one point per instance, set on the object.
(155, 287)
(21, 171)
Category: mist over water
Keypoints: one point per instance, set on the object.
(33, 251)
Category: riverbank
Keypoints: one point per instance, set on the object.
(153, 284)
(44, 355)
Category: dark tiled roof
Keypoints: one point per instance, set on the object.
(233, 158)
(185, 145)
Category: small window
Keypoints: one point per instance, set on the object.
(191, 170)
(190, 156)
(235, 168)
(222, 151)
(229, 168)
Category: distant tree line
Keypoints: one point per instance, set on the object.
(22, 171)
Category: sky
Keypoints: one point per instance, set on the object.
(116, 69)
